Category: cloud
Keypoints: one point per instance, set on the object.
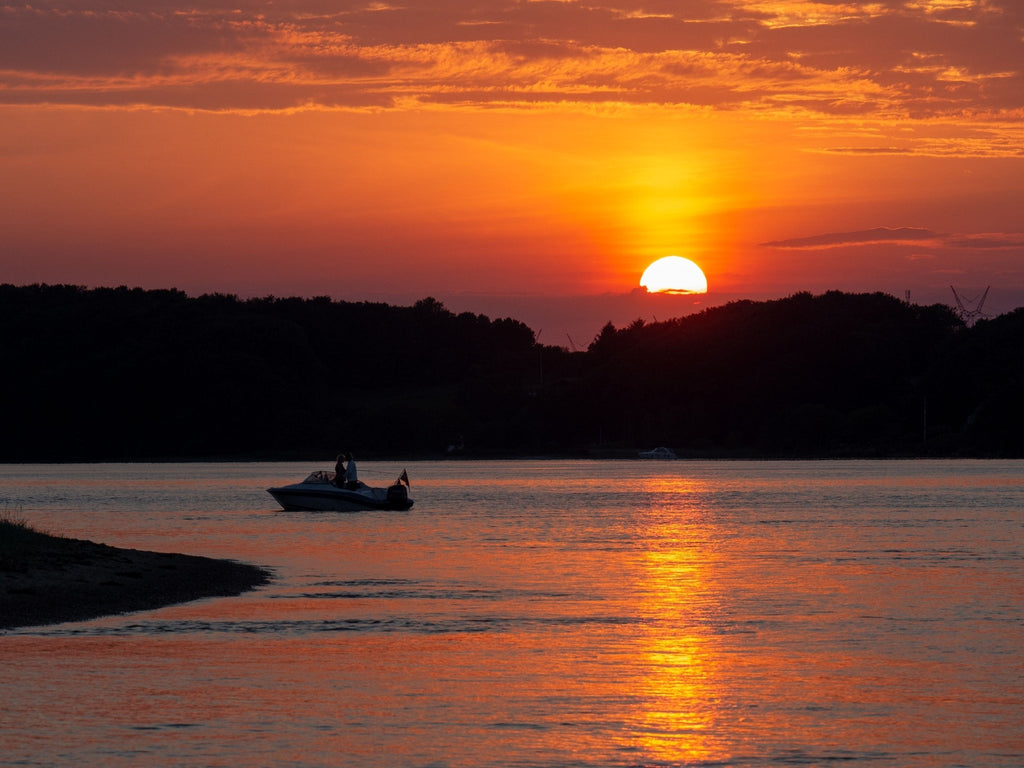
(915, 236)
(890, 63)
(988, 241)
(863, 237)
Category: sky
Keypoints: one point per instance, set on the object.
(524, 158)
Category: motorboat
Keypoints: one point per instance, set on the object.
(660, 452)
(318, 493)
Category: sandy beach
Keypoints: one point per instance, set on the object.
(48, 579)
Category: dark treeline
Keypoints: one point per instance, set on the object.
(133, 374)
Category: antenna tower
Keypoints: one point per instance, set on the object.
(965, 306)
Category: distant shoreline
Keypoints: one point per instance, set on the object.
(47, 579)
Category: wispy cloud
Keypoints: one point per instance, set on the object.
(908, 236)
(863, 237)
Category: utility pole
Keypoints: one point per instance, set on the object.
(964, 306)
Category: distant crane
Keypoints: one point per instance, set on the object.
(968, 308)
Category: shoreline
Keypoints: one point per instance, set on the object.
(47, 579)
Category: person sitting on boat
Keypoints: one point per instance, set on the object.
(351, 479)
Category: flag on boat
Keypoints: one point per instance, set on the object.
(404, 478)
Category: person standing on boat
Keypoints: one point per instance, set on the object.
(351, 479)
(339, 470)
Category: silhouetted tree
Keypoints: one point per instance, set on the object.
(128, 373)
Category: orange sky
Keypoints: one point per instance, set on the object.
(493, 152)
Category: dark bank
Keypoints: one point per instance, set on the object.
(95, 374)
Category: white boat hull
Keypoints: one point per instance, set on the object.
(318, 494)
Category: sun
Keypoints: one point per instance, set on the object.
(674, 274)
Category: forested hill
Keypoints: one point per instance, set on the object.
(132, 374)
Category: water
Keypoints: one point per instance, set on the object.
(543, 614)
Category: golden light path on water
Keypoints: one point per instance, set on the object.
(678, 656)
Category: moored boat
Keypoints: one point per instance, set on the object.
(318, 493)
(660, 452)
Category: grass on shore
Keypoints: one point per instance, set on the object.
(18, 540)
(14, 523)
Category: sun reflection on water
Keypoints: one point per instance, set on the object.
(677, 659)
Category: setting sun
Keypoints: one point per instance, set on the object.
(674, 274)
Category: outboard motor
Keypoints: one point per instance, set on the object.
(398, 496)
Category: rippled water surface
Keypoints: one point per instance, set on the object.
(543, 613)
